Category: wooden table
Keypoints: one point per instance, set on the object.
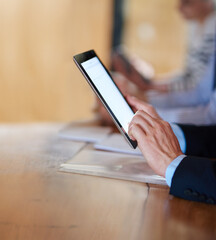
(39, 202)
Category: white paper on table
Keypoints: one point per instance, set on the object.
(116, 143)
(112, 165)
(82, 132)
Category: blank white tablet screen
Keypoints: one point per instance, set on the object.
(109, 91)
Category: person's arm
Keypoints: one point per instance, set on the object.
(200, 140)
(199, 94)
(203, 114)
(193, 178)
(194, 140)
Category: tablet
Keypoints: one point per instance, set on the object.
(105, 88)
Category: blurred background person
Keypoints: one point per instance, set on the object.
(170, 90)
(189, 96)
(203, 114)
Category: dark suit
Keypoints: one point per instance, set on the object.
(195, 177)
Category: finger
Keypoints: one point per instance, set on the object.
(138, 119)
(136, 133)
(144, 125)
(130, 132)
(146, 117)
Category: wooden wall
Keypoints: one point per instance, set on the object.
(38, 79)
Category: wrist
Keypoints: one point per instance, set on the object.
(172, 168)
(169, 161)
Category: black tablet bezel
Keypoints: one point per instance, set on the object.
(79, 59)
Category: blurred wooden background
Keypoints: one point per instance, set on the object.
(156, 32)
(38, 79)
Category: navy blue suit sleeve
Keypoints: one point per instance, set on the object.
(195, 179)
(200, 140)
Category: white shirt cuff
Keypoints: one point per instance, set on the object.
(180, 136)
(171, 169)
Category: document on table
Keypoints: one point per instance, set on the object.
(84, 133)
(112, 165)
(116, 143)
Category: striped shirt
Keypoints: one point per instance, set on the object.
(202, 114)
(201, 40)
(186, 89)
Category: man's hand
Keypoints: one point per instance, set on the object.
(156, 140)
